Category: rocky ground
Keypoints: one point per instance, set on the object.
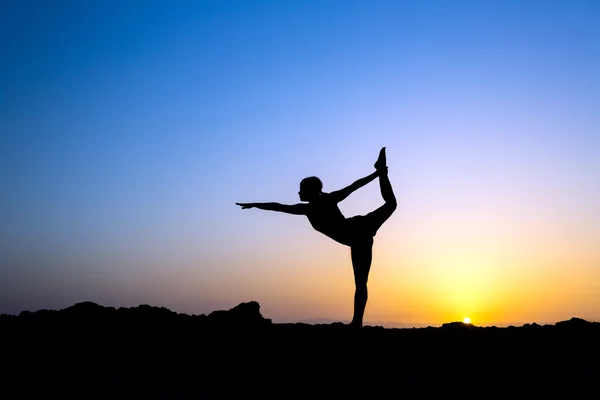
(90, 351)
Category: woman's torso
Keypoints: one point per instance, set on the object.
(325, 216)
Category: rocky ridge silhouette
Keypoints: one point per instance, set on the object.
(88, 350)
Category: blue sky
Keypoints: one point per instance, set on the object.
(129, 129)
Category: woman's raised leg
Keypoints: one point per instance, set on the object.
(379, 216)
(386, 191)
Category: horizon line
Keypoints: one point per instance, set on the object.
(319, 321)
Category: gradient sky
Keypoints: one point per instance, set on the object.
(129, 129)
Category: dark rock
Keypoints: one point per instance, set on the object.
(575, 324)
(248, 313)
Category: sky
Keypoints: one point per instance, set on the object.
(129, 129)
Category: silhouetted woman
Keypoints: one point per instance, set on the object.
(356, 232)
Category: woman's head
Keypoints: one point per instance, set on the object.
(310, 188)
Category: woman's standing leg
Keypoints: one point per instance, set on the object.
(361, 264)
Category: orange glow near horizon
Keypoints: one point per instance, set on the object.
(437, 279)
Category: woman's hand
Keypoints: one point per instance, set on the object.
(245, 205)
(383, 171)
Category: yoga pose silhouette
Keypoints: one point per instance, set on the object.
(355, 232)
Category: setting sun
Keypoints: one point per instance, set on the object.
(467, 320)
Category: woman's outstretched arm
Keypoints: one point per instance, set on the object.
(341, 194)
(296, 209)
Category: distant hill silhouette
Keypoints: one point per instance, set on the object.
(88, 350)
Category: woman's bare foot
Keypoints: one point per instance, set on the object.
(355, 326)
(380, 164)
